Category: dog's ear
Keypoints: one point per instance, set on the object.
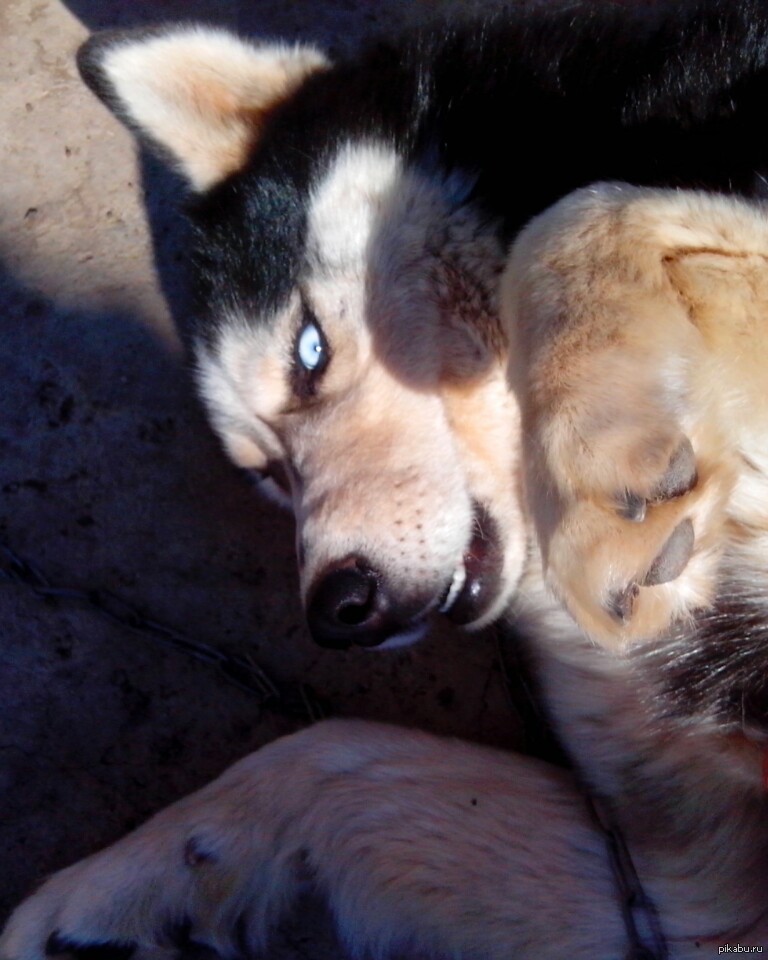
(199, 94)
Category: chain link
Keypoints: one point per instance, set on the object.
(293, 699)
(641, 920)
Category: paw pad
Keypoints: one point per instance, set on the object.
(631, 507)
(680, 476)
(674, 555)
(621, 603)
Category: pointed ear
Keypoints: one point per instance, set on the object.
(200, 94)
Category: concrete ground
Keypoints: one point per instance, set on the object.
(110, 481)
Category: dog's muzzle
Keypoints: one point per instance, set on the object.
(352, 603)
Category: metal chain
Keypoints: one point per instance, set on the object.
(293, 699)
(638, 910)
(641, 920)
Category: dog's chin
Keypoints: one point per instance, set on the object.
(406, 638)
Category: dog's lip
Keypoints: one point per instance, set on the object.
(475, 583)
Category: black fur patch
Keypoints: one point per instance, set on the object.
(719, 667)
(249, 235)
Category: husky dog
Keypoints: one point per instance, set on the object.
(351, 226)
(573, 431)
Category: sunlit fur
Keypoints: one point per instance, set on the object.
(425, 844)
(637, 317)
(205, 118)
(377, 194)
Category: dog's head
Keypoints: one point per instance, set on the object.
(349, 348)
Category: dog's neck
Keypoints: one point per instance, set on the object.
(693, 810)
(688, 795)
(692, 807)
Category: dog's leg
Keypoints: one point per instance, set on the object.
(418, 843)
(638, 353)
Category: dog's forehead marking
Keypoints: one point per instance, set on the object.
(373, 207)
(343, 208)
(399, 252)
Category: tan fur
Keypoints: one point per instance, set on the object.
(426, 844)
(612, 325)
(637, 318)
(415, 367)
(315, 799)
(203, 95)
(423, 844)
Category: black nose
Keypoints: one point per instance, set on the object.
(349, 604)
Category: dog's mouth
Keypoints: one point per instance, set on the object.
(455, 587)
(353, 603)
(475, 584)
(473, 589)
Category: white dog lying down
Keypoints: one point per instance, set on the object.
(650, 308)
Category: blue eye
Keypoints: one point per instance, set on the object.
(311, 355)
(310, 347)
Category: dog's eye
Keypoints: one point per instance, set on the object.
(310, 348)
(310, 355)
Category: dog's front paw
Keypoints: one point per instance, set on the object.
(630, 443)
(145, 897)
(630, 526)
(122, 902)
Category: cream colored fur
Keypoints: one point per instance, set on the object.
(416, 366)
(202, 94)
(420, 843)
(426, 844)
